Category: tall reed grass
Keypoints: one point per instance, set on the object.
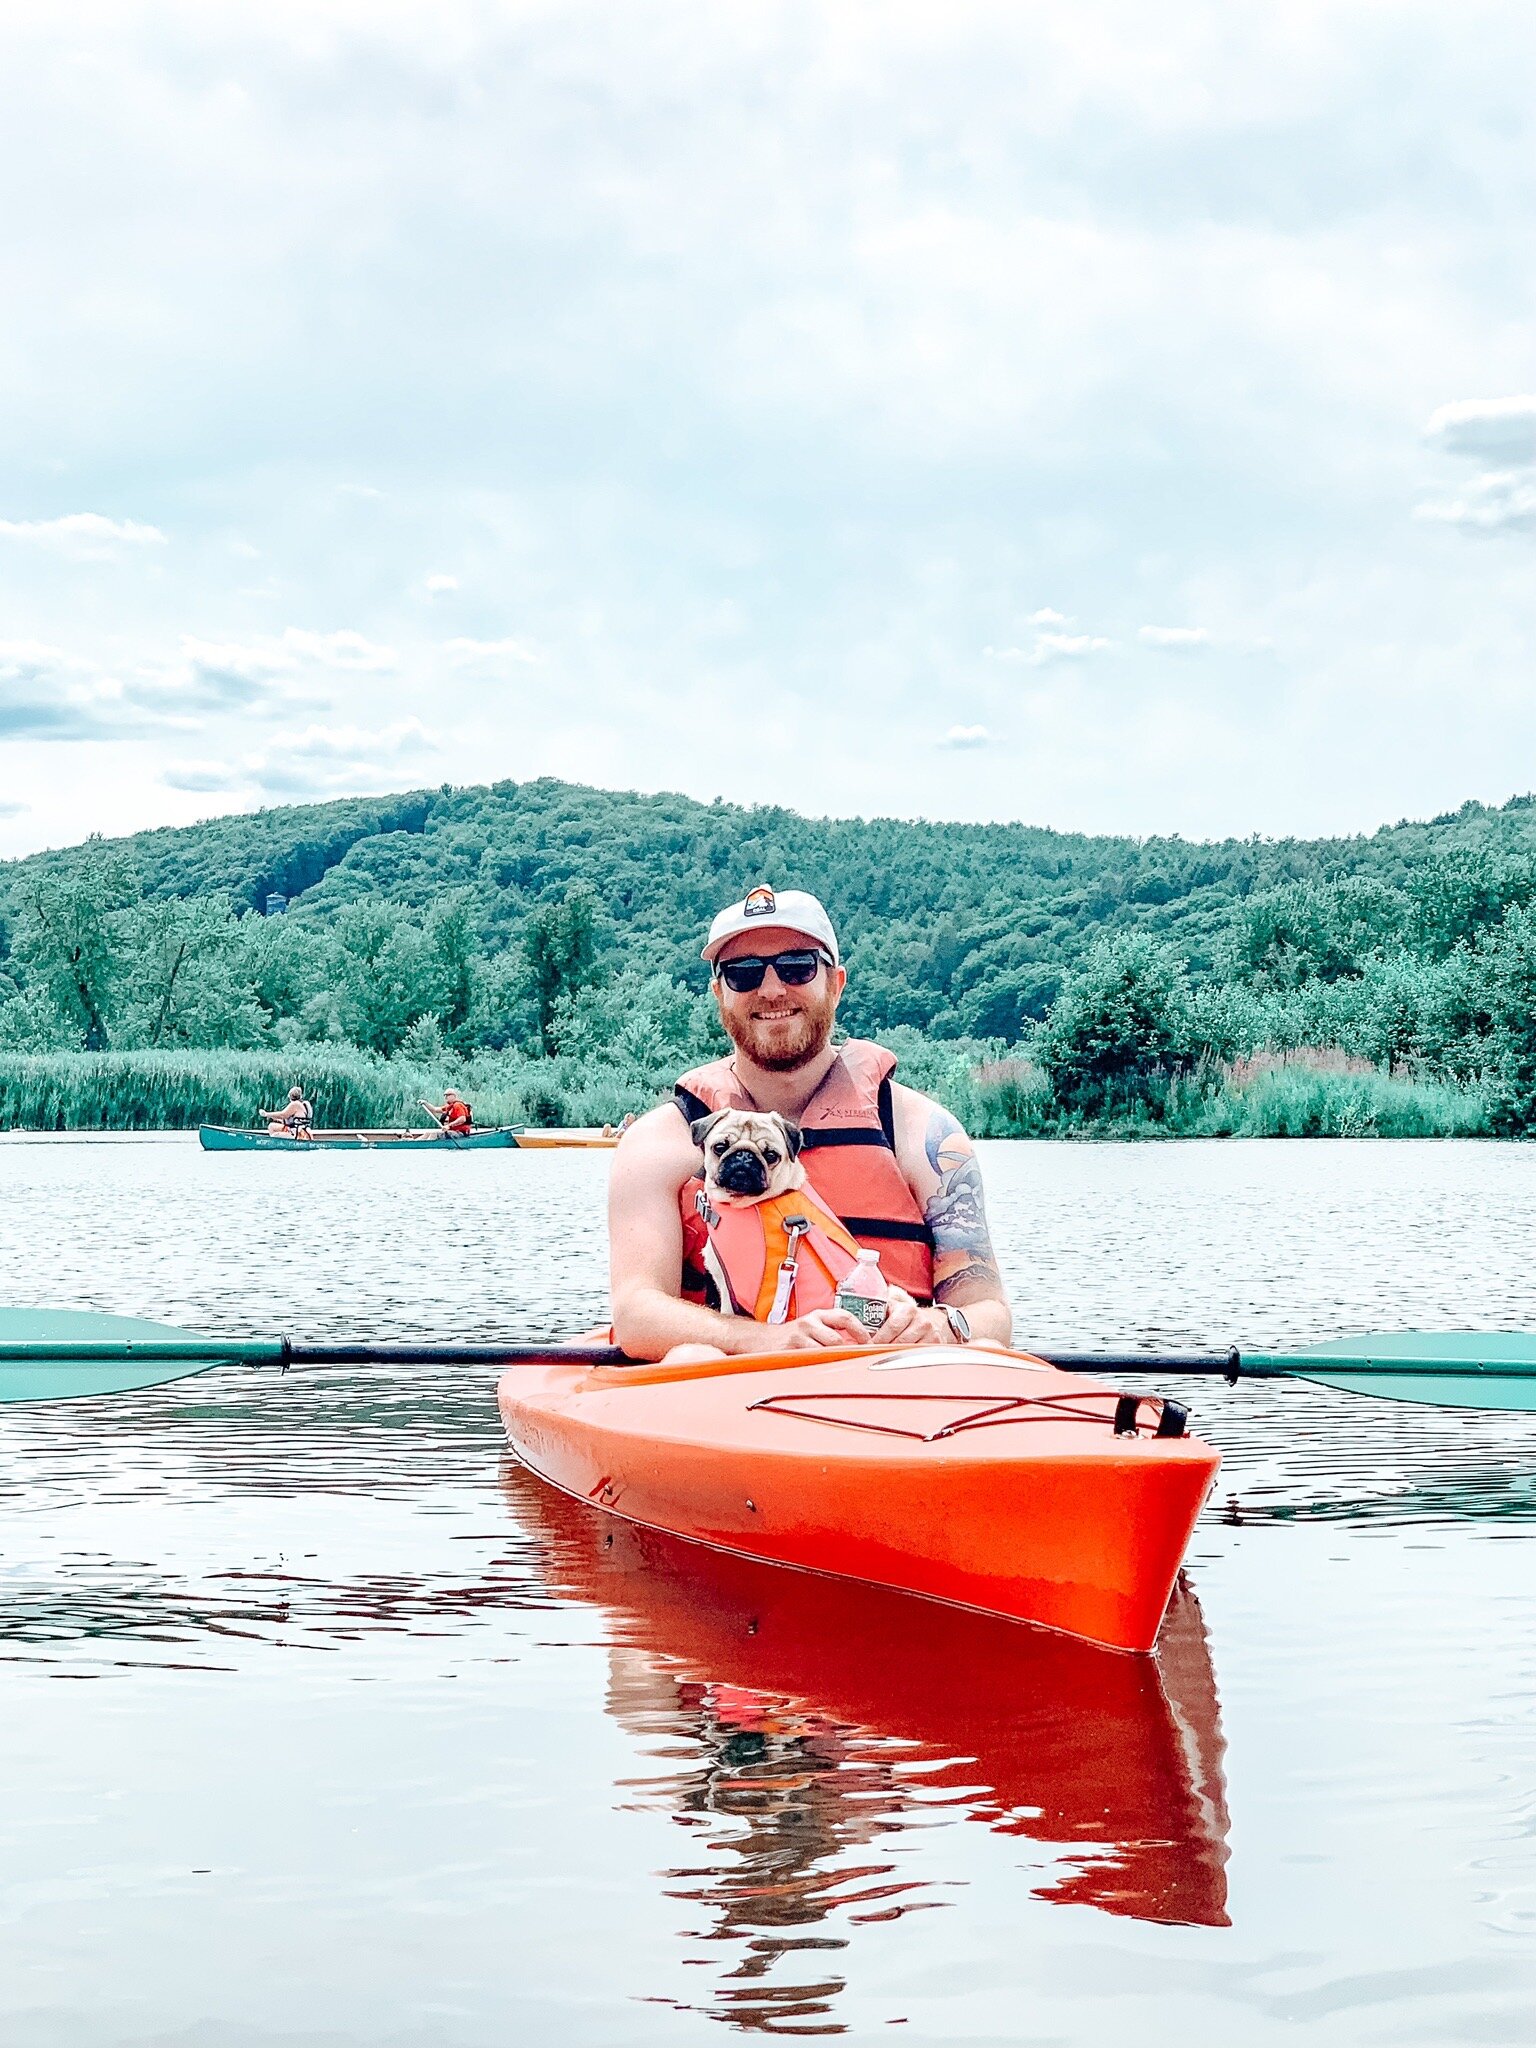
(170, 1091)
(1307, 1093)
(1296, 1099)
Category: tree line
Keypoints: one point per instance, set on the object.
(1097, 981)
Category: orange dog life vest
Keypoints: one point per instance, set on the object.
(775, 1259)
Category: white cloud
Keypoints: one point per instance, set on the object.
(207, 776)
(1175, 639)
(350, 742)
(251, 662)
(1049, 648)
(966, 736)
(82, 536)
(48, 694)
(471, 653)
(239, 672)
(440, 586)
(339, 650)
(1046, 617)
(1487, 429)
(319, 761)
(1503, 502)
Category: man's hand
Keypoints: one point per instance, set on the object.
(823, 1329)
(906, 1323)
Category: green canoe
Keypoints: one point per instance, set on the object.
(220, 1138)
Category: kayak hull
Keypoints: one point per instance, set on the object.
(984, 1480)
(555, 1140)
(220, 1138)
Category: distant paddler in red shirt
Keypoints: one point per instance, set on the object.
(452, 1114)
(293, 1120)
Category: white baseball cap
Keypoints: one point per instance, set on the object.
(792, 909)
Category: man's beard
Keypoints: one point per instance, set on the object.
(789, 1052)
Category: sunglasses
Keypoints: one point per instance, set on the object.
(795, 969)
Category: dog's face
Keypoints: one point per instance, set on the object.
(749, 1156)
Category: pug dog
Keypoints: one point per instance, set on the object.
(749, 1156)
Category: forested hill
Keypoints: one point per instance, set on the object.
(955, 929)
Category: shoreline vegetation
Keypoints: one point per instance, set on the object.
(536, 946)
(1308, 1093)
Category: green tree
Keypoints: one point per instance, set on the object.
(383, 970)
(1119, 1028)
(1496, 983)
(1314, 931)
(70, 946)
(655, 1029)
(186, 977)
(456, 967)
(561, 944)
(1458, 894)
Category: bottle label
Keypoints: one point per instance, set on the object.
(870, 1309)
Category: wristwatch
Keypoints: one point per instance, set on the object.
(957, 1322)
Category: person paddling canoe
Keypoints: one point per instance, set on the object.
(294, 1120)
(887, 1166)
(452, 1114)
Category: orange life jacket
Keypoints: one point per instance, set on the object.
(776, 1259)
(455, 1116)
(849, 1155)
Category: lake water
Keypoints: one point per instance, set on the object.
(324, 1725)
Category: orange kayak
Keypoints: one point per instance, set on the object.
(982, 1478)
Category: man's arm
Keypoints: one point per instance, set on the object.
(653, 1160)
(942, 1170)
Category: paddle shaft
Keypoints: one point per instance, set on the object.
(279, 1351)
(1230, 1366)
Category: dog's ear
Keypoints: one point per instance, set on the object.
(794, 1137)
(701, 1127)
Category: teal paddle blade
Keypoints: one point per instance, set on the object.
(1489, 1390)
(54, 1373)
(1447, 1368)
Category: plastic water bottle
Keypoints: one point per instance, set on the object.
(865, 1292)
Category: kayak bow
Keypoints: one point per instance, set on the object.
(984, 1479)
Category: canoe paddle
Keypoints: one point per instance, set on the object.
(69, 1354)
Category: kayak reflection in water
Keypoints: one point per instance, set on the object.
(817, 1718)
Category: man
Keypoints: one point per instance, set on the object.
(905, 1161)
(452, 1113)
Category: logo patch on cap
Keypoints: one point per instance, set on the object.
(759, 903)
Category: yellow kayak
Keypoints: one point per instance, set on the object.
(553, 1139)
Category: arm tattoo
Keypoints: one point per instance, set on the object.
(956, 1213)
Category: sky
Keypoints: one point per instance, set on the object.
(1115, 418)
